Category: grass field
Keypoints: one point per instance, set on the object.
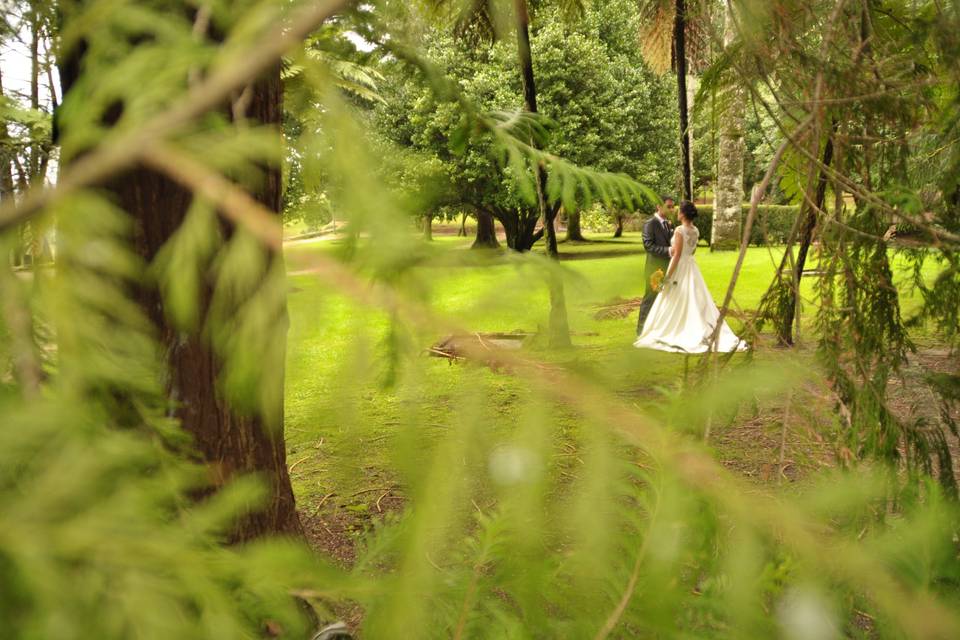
(341, 451)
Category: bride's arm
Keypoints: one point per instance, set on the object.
(677, 252)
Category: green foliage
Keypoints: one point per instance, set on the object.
(771, 226)
(26, 128)
(881, 178)
(600, 104)
(576, 509)
(100, 540)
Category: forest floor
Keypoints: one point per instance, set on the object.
(347, 408)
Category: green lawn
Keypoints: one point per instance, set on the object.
(348, 411)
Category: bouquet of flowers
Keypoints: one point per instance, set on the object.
(656, 280)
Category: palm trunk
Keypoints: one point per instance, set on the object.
(680, 58)
(35, 148)
(559, 329)
(728, 198)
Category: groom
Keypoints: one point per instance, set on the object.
(656, 240)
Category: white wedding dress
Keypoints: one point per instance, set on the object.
(684, 315)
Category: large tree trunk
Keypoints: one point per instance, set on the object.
(486, 232)
(230, 441)
(574, 232)
(559, 329)
(428, 227)
(519, 227)
(510, 228)
(680, 60)
(728, 198)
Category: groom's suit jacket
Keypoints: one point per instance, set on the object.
(656, 241)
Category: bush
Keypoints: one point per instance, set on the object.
(596, 218)
(772, 226)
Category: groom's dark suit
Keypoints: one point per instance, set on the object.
(656, 241)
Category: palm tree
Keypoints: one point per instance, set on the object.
(559, 327)
(671, 37)
(483, 17)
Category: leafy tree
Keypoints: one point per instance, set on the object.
(853, 196)
(608, 108)
(412, 116)
(605, 109)
(306, 195)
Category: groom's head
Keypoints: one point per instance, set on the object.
(666, 206)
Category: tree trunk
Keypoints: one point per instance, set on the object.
(550, 232)
(519, 227)
(806, 239)
(574, 233)
(559, 329)
(232, 442)
(39, 149)
(781, 300)
(486, 232)
(618, 231)
(728, 197)
(462, 232)
(680, 58)
(428, 227)
(35, 148)
(510, 222)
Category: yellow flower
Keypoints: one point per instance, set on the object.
(656, 280)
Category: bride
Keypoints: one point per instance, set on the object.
(684, 316)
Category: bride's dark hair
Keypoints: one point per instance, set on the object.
(689, 210)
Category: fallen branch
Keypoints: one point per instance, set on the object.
(617, 308)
